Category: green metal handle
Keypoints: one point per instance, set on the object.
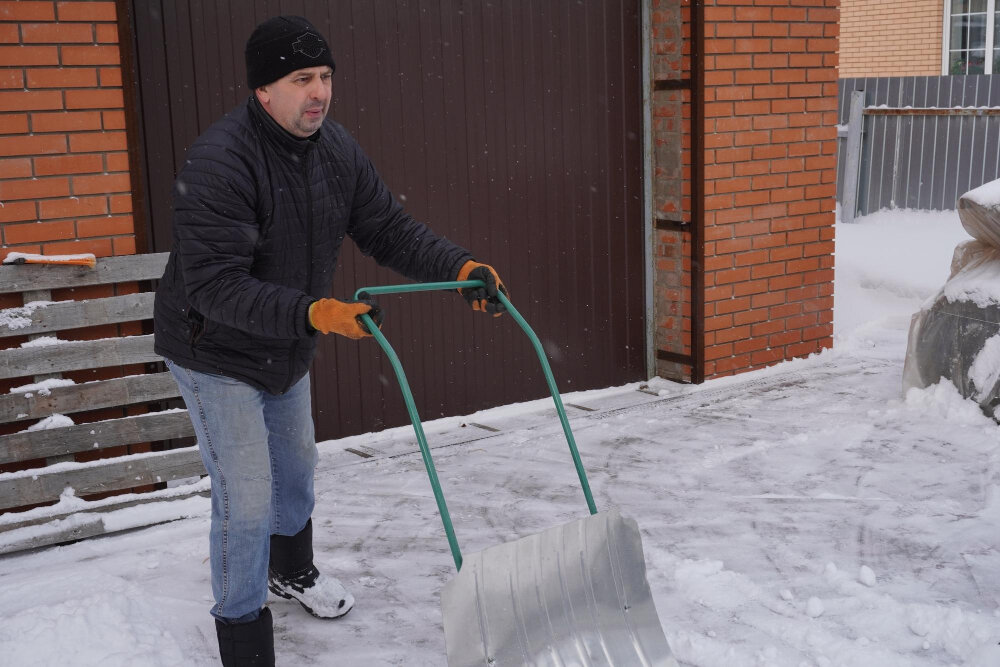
(411, 408)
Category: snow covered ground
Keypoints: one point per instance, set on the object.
(804, 515)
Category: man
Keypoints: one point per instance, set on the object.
(261, 207)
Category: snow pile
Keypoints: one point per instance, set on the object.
(143, 515)
(43, 341)
(944, 401)
(43, 388)
(100, 620)
(887, 265)
(52, 421)
(792, 631)
(20, 317)
(986, 195)
(950, 335)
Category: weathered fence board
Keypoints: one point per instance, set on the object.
(125, 472)
(64, 315)
(78, 526)
(88, 396)
(130, 268)
(62, 450)
(91, 526)
(91, 436)
(110, 504)
(77, 355)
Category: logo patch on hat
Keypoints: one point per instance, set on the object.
(309, 45)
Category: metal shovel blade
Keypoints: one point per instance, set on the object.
(574, 594)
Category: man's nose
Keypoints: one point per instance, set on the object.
(319, 90)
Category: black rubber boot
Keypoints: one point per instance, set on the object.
(291, 555)
(247, 644)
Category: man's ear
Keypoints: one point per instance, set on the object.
(263, 95)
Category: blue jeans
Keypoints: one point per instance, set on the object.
(260, 451)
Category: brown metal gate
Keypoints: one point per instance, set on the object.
(512, 127)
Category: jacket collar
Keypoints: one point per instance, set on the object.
(278, 135)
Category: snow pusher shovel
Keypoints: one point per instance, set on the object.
(571, 595)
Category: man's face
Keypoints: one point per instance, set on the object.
(299, 101)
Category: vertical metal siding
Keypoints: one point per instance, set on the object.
(904, 146)
(922, 161)
(513, 128)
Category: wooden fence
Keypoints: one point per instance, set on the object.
(48, 457)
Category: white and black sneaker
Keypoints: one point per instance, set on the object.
(320, 594)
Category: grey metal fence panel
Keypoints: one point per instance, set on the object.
(929, 175)
(920, 148)
(924, 95)
(904, 146)
(992, 144)
(843, 111)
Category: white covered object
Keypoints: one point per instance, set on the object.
(956, 335)
(979, 211)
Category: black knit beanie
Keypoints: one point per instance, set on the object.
(282, 45)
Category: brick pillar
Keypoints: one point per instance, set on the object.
(671, 190)
(64, 180)
(770, 155)
(770, 99)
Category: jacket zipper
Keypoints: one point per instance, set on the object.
(197, 331)
(309, 245)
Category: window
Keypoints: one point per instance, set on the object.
(972, 37)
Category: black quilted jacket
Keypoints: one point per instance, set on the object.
(259, 218)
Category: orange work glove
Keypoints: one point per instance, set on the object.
(344, 317)
(483, 298)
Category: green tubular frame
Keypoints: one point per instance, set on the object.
(411, 408)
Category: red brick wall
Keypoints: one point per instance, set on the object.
(770, 100)
(64, 177)
(64, 181)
